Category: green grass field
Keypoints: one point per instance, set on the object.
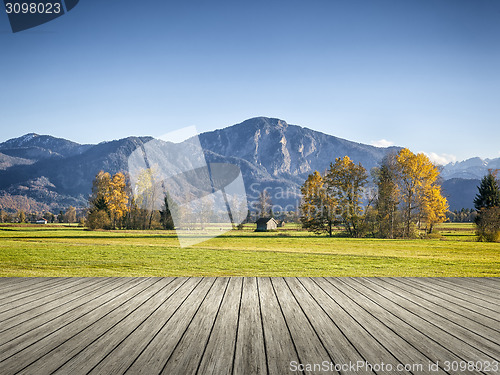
(73, 251)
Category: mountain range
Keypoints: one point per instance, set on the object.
(48, 173)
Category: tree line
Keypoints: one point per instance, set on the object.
(407, 196)
(404, 196)
(70, 215)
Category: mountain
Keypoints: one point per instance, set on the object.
(61, 181)
(474, 168)
(287, 151)
(461, 180)
(270, 153)
(7, 161)
(460, 192)
(36, 147)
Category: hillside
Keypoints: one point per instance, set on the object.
(270, 153)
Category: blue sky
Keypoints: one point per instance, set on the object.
(422, 74)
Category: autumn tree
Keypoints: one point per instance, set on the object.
(49, 216)
(8, 218)
(264, 204)
(421, 199)
(434, 207)
(135, 217)
(464, 215)
(100, 192)
(98, 220)
(109, 195)
(387, 201)
(70, 215)
(318, 207)
(117, 198)
(487, 204)
(148, 193)
(345, 181)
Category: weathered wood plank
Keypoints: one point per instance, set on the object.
(331, 301)
(21, 311)
(44, 351)
(84, 339)
(28, 329)
(219, 352)
(243, 325)
(484, 293)
(465, 344)
(102, 346)
(309, 347)
(279, 345)
(250, 356)
(30, 293)
(479, 283)
(492, 282)
(8, 284)
(153, 358)
(188, 353)
(471, 320)
(404, 352)
(413, 334)
(449, 296)
(341, 350)
(124, 354)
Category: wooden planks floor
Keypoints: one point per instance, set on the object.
(249, 325)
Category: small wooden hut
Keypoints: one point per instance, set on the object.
(266, 223)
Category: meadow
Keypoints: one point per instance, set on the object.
(58, 250)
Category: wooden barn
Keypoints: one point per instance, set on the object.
(266, 223)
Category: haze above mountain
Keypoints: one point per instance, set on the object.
(271, 154)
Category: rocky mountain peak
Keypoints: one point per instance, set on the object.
(286, 150)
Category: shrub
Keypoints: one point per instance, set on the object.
(488, 225)
(99, 220)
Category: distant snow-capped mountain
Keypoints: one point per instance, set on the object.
(474, 168)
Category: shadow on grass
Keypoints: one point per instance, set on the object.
(174, 236)
(90, 237)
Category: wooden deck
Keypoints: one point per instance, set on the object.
(249, 325)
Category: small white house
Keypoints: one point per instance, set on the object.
(41, 221)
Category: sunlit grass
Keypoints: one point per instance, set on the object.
(72, 251)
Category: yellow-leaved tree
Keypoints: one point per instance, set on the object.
(117, 198)
(109, 201)
(420, 194)
(434, 207)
